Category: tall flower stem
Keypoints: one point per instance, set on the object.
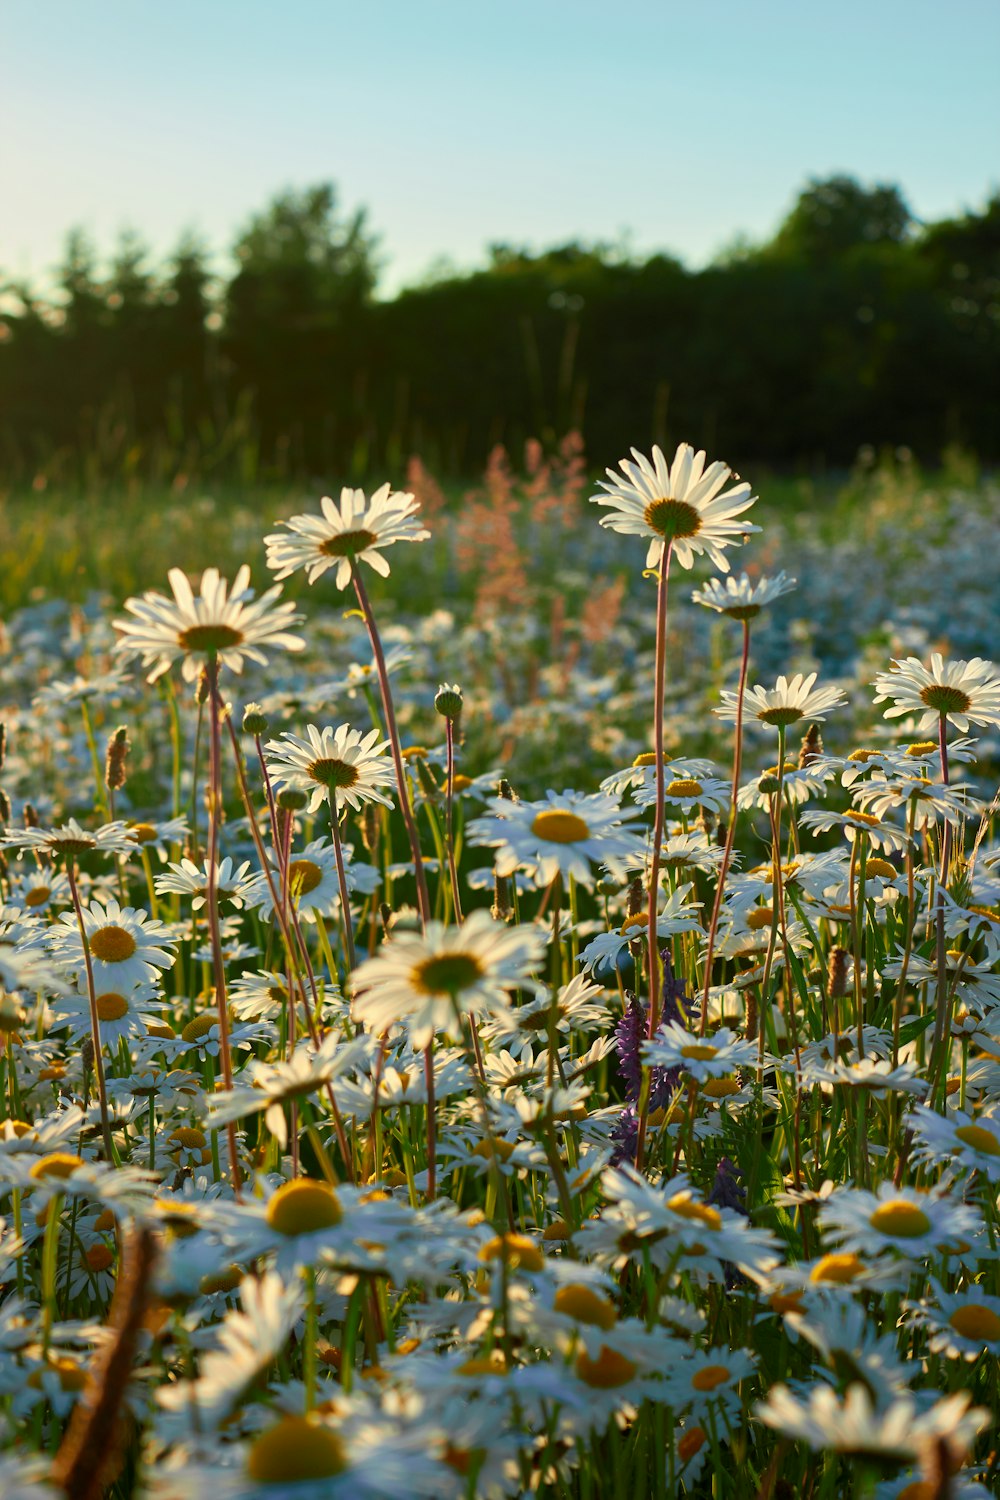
(776, 807)
(727, 853)
(941, 1029)
(95, 1022)
(652, 945)
(345, 895)
(423, 899)
(449, 808)
(212, 895)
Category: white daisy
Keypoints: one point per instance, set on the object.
(915, 1224)
(791, 699)
(741, 598)
(234, 884)
(700, 1057)
(222, 622)
(677, 503)
(963, 692)
(676, 914)
(974, 1143)
(344, 761)
(564, 833)
(123, 945)
(69, 841)
(352, 530)
(962, 1324)
(425, 982)
(855, 1426)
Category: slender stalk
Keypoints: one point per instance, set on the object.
(95, 1023)
(212, 897)
(941, 1017)
(653, 955)
(449, 801)
(727, 852)
(776, 806)
(423, 899)
(345, 895)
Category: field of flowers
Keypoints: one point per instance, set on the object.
(527, 1024)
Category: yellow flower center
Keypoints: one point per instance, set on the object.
(304, 875)
(710, 1377)
(111, 1007)
(295, 1449)
(699, 1051)
(685, 787)
(161, 1029)
(608, 1371)
(865, 820)
(143, 833)
(494, 1363)
(333, 773)
(200, 1026)
(989, 912)
(303, 1206)
(112, 945)
(839, 1270)
(584, 1305)
(558, 1230)
(187, 1137)
(780, 714)
(72, 1377)
(37, 896)
(687, 1207)
(785, 1302)
(447, 973)
(920, 748)
(946, 700)
(348, 543)
(646, 758)
(516, 1250)
(882, 868)
(900, 1219)
(18, 1128)
(209, 638)
(979, 1138)
(692, 1442)
(671, 518)
(761, 916)
(720, 1088)
(494, 1145)
(640, 920)
(99, 1258)
(61, 1164)
(973, 1321)
(555, 825)
(863, 755)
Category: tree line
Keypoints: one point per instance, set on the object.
(854, 324)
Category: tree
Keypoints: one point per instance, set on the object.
(835, 215)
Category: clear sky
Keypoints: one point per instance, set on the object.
(679, 123)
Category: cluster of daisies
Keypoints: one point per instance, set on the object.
(370, 1129)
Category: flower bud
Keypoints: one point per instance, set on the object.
(254, 721)
(448, 701)
(119, 746)
(291, 799)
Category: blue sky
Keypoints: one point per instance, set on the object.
(679, 124)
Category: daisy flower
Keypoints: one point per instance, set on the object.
(740, 598)
(353, 530)
(963, 692)
(675, 915)
(853, 1425)
(884, 836)
(234, 884)
(564, 834)
(699, 1057)
(425, 982)
(679, 504)
(121, 1013)
(122, 942)
(974, 1143)
(686, 792)
(915, 1224)
(69, 841)
(962, 1324)
(222, 622)
(352, 765)
(791, 699)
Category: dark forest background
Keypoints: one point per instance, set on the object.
(853, 325)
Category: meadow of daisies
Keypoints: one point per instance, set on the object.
(511, 1006)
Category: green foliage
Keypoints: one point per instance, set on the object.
(852, 322)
